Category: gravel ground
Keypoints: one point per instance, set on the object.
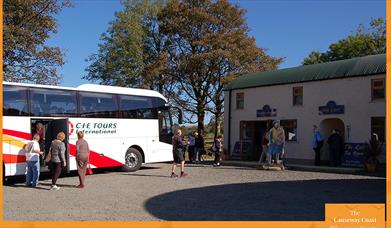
(223, 193)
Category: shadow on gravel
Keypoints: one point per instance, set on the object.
(281, 201)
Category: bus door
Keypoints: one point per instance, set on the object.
(56, 126)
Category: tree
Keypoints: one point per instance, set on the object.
(27, 25)
(364, 42)
(132, 52)
(208, 46)
(187, 50)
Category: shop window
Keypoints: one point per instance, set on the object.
(378, 127)
(297, 96)
(377, 89)
(290, 128)
(239, 100)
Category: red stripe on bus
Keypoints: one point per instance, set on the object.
(12, 158)
(97, 159)
(19, 134)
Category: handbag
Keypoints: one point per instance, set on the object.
(89, 170)
(48, 156)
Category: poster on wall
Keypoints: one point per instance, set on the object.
(353, 155)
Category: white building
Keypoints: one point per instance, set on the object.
(348, 95)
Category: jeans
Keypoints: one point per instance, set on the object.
(32, 173)
(197, 154)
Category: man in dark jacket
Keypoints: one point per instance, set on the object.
(335, 146)
(177, 146)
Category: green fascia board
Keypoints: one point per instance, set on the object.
(355, 67)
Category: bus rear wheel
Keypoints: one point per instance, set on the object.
(133, 160)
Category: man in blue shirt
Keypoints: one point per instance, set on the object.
(317, 143)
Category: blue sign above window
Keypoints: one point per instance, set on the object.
(266, 111)
(331, 108)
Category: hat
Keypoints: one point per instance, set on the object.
(276, 121)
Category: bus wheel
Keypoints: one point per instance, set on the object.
(133, 160)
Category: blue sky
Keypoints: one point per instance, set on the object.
(290, 29)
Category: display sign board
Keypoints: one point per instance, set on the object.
(331, 108)
(266, 111)
(354, 155)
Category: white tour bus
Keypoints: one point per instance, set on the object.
(123, 126)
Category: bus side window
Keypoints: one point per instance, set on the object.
(137, 107)
(15, 101)
(94, 105)
(52, 102)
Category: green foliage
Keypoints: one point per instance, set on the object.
(127, 55)
(364, 42)
(209, 46)
(27, 25)
(188, 50)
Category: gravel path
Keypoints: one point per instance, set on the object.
(223, 193)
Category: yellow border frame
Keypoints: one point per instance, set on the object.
(311, 224)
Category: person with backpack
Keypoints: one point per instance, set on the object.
(217, 149)
(276, 141)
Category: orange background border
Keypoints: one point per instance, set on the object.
(168, 224)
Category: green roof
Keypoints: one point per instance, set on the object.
(361, 66)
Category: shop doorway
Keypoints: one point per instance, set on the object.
(251, 139)
(326, 128)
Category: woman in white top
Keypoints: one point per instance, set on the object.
(32, 159)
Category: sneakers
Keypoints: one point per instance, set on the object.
(80, 186)
(54, 187)
(173, 175)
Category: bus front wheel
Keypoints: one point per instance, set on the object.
(133, 160)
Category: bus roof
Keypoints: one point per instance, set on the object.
(98, 89)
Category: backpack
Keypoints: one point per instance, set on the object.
(213, 148)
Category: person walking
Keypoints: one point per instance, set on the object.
(217, 149)
(317, 144)
(33, 153)
(276, 141)
(177, 146)
(335, 147)
(199, 147)
(82, 158)
(56, 156)
(264, 142)
(191, 147)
